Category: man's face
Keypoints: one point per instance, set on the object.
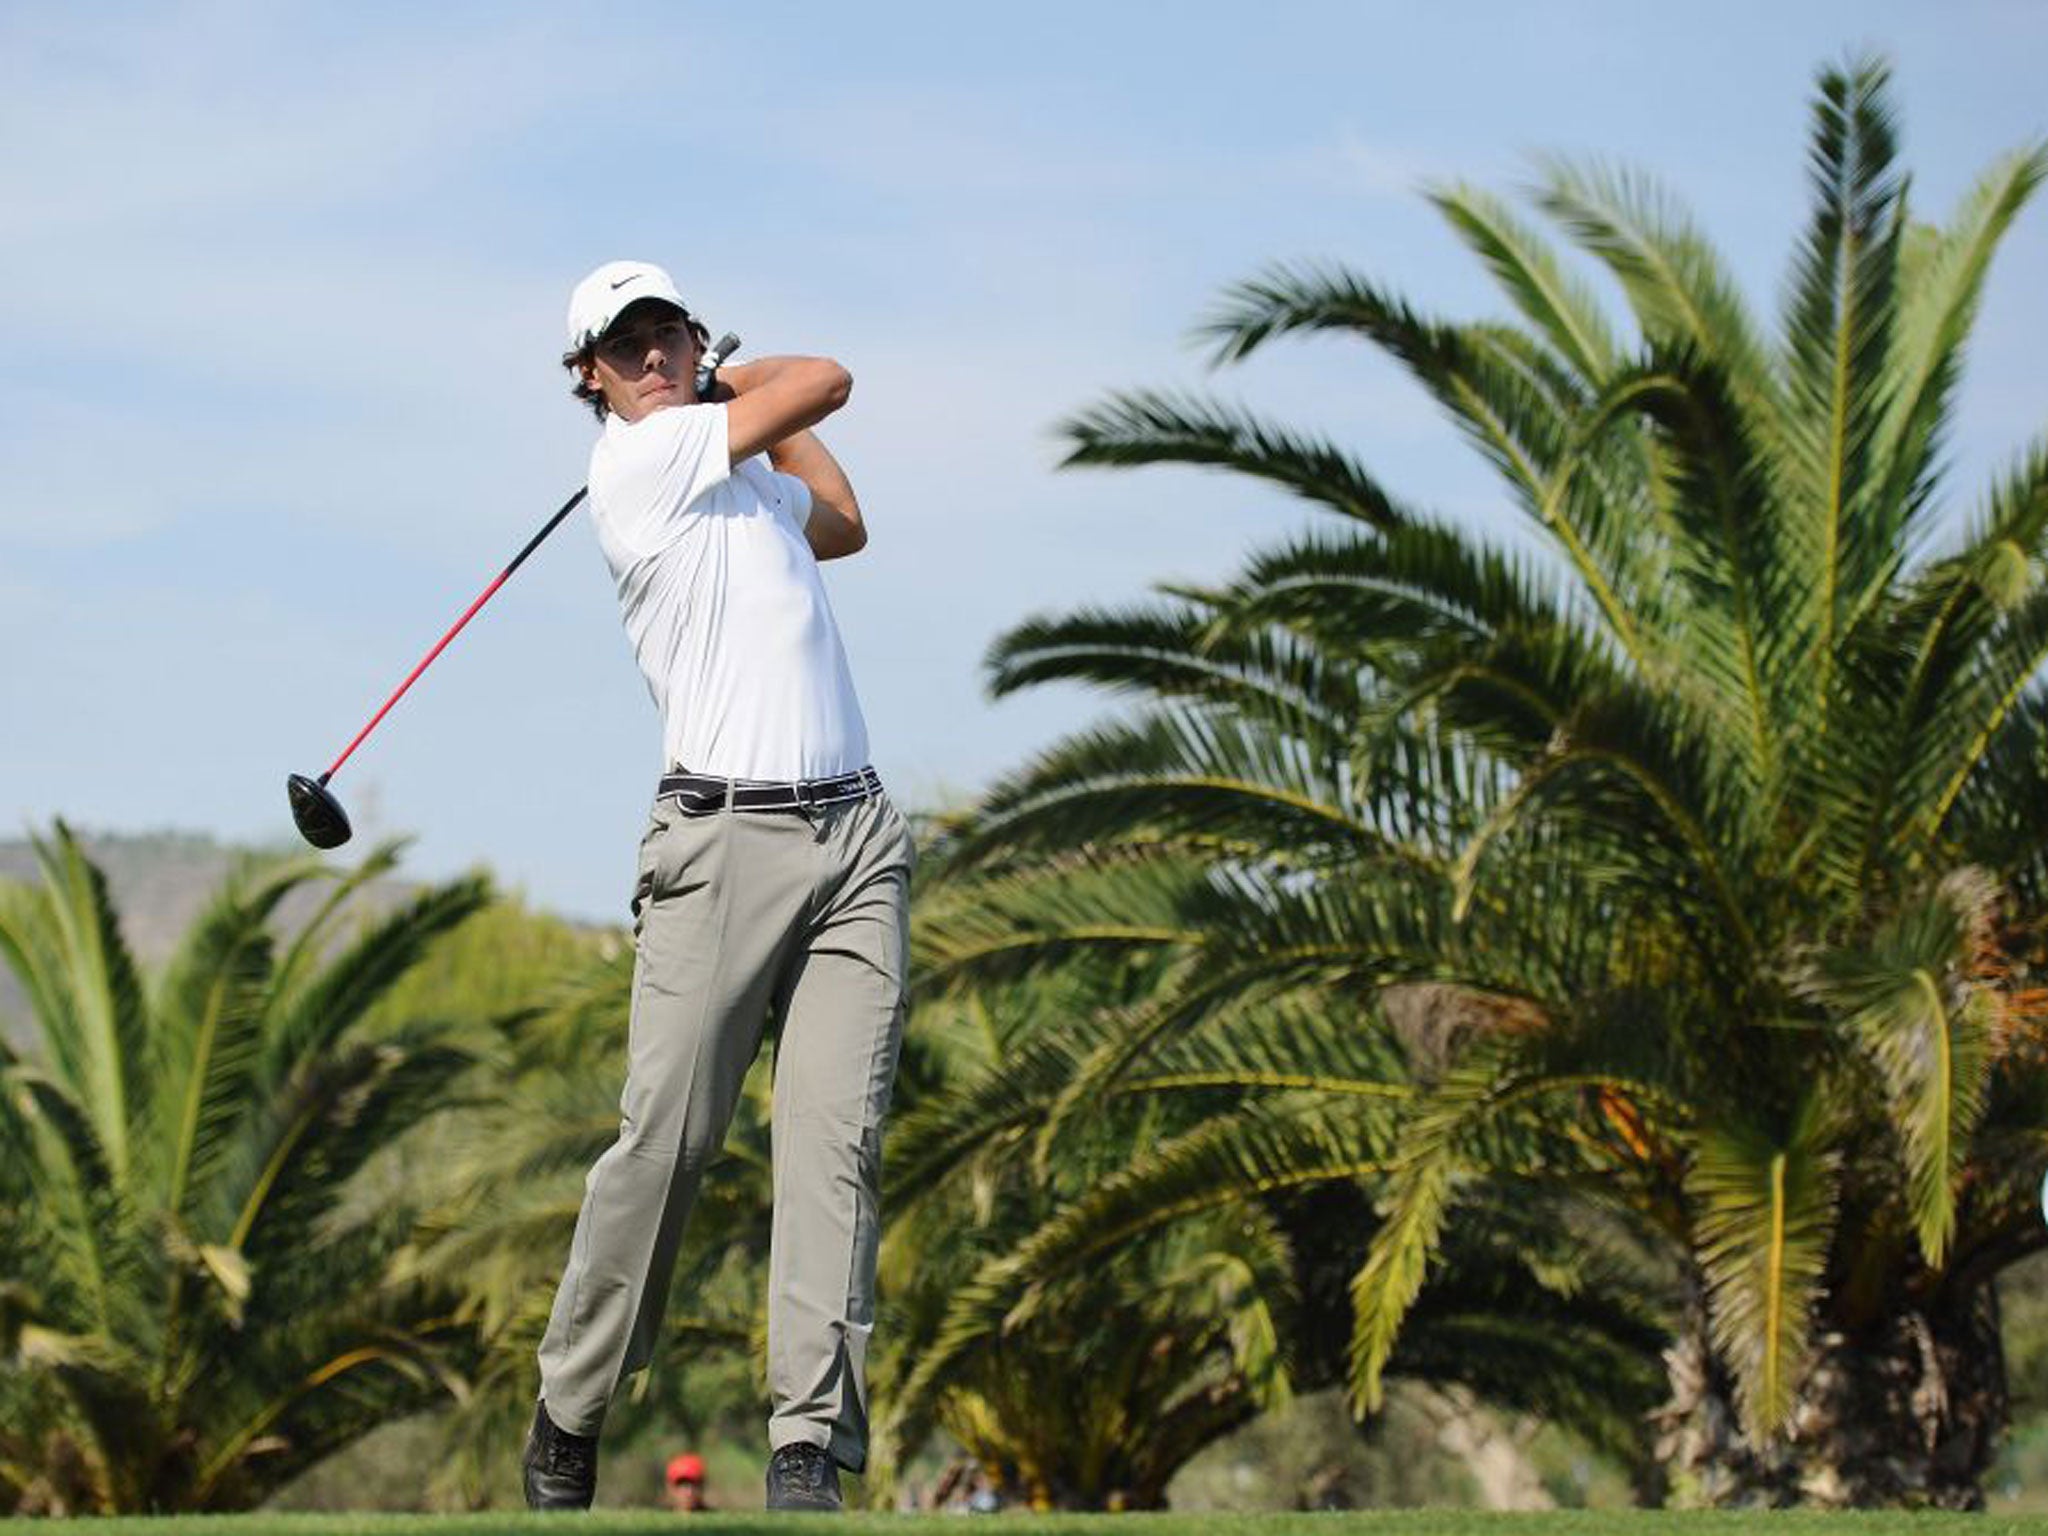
(647, 360)
(687, 1496)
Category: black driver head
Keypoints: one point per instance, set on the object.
(322, 821)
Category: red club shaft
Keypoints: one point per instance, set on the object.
(485, 596)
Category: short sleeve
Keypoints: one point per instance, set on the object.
(647, 474)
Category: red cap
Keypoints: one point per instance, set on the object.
(686, 1468)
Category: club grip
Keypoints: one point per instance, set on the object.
(707, 367)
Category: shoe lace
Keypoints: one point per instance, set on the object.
(570, 1455)
(801, 1463)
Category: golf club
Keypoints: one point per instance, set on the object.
(320, 818)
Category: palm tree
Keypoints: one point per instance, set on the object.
(193, 1312)
(1217, 1181)
(1712, 834)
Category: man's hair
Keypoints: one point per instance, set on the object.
(586, 354)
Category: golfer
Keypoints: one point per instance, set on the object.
(773, 882)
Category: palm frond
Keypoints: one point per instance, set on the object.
(337, 1113)
(1561, 308)
(211, 1014)
(76, 1208)
(1417, 1202)
(1901, 669)
(1961, 731)
(1171, 774)
(1489, 1117)
(1178, 652)
(2000, 820)
(1843, 304)
(1746, 637)
(1937, 308)
(63, 941)
(1019, 922)
(1635, 760)
(1597, 482)
(1148, 427)
(1539, 1308)
(1681, 292)
(996, 1106)
(1379, 599)
(1010, 1291)
(1908, 1001)
(1293, 1141)
(1515, 408)
(1764, 1214)
(309, 948)
(337, 997)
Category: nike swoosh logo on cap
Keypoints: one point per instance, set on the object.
(634, 278)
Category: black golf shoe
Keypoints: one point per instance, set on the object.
(561, 1468)
(802, 1476)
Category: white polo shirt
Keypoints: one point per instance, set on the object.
(723, 601)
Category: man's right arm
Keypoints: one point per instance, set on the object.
(772, 397)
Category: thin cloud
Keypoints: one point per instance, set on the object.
(1356, 163)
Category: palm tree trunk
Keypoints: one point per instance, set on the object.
(1911, 1412)
(1708, 1462)
(1908, 1411)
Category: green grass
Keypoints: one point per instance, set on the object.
(1388, 1523)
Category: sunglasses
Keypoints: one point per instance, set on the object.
(629, 348)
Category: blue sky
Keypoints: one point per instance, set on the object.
(286, 285)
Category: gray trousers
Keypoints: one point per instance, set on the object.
(736, 915)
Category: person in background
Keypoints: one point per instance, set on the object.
(686, 1484)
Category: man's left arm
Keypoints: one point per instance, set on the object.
(835, 527)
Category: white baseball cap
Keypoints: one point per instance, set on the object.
(600, 297)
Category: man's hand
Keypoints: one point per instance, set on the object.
(774, 397)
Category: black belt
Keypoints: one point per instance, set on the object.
(697, 795)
